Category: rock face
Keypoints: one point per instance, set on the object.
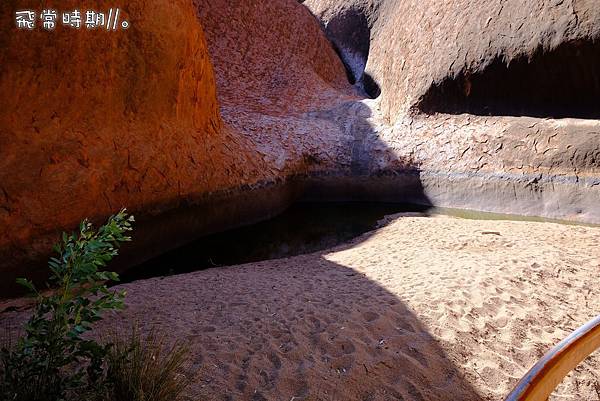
(416, 44)
(496, 102)
(275, 70)
(282, 86)
(209, 114)
(96, 121)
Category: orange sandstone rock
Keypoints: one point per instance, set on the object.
(92, 121)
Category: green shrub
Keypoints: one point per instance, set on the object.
(53, 361)
(146, 369)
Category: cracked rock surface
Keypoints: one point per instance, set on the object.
(469, 93)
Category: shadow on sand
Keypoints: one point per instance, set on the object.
(302, 328)
(305, 328)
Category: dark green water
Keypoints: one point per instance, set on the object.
(303, 228)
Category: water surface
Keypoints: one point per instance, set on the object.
(303, 228)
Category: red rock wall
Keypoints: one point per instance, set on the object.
(275, 71)
(270, 56)
(92, 121)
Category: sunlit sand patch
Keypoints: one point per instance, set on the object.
(496, 294)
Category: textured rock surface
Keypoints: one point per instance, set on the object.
(490, 76)
(96, 121)
(416, 43)
(275, 69)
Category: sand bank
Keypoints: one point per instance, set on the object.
(435, 308)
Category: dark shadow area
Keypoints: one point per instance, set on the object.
(352, 40)
(307, 329)
(370, 86)
(349, 73)
(560, 83)
(305, 227)
(350, 35)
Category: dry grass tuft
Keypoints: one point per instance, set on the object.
(147, 369)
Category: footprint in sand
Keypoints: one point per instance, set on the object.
(370, 316)
(346, 346)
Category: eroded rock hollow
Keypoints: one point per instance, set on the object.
(496, 102)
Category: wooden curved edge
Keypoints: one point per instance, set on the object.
(549, 372)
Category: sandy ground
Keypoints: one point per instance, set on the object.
(421, 309)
